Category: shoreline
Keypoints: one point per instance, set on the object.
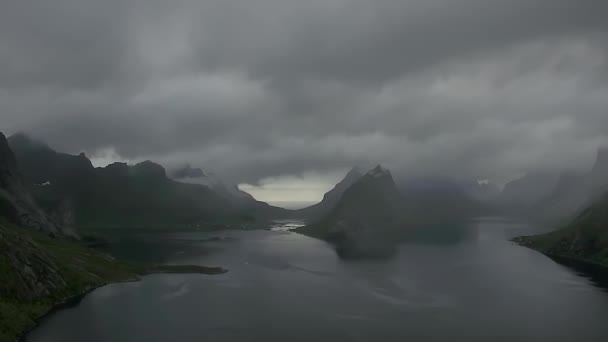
(67, 303)
(598, 272)
(73, 300)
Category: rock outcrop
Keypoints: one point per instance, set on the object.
(16, 204)
(367, 220)
(331, 198)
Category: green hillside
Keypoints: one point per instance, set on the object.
(585, 239)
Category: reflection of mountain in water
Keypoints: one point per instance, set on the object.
(442, 233)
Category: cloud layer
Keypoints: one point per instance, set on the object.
(482, 89)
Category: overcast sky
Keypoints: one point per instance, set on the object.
(262, 91)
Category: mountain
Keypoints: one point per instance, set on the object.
(521, 195)
(366, 220)
(482, 191)
(331, 198)
(226, 189)
(446, 199)
(118, 195)
(240, 202)
(585, 239)
(43, 267)
(187, 172)
(16, 204)
(39, 267)
(574, 192)
(599, 173)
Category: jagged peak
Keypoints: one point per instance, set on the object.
(379, 172)
(354, 173)
(7, 158)
(187, 171)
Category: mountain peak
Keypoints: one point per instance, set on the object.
(379, 172)
(352, 175)
(150, 169)
(601, 161)
(187, 172)
(366, 218)
(24, 141)
(7, 158)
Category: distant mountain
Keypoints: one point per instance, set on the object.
(16, 204)
(187, 172)
(585, 239)
(574, 192)
(599, 173)
(366, 219)
(223, 188)
(482, 191)
(331, 198)
(118, 195)
(439, 200)
(520, 196)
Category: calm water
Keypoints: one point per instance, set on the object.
(287, 287)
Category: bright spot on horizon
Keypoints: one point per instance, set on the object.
(107, 156)
(308, 187)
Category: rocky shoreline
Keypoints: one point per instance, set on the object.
(158, 269)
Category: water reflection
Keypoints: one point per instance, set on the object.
(284, 286)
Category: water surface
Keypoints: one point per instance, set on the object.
(286, 287)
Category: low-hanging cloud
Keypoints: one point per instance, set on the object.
(482, 89)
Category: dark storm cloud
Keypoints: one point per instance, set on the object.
(252, 89)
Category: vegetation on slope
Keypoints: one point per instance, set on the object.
(585, 239)
(39, 272)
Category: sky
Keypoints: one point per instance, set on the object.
(287, 95)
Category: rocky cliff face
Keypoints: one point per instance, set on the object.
(33, 272)
(367, 220)
(70, 189)
(331, 198)
(16, 204)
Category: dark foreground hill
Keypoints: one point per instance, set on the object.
(40, 266)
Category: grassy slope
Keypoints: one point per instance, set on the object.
(585, 239)
(65, 269)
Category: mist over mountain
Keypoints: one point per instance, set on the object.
(360, 169)
(187, 172)
(574, 192)
(446, 199)
(219, 84)
(214, 182)
(367, 218)
(332, 197)
(16, 203)
(583, 239)
(122, 195)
